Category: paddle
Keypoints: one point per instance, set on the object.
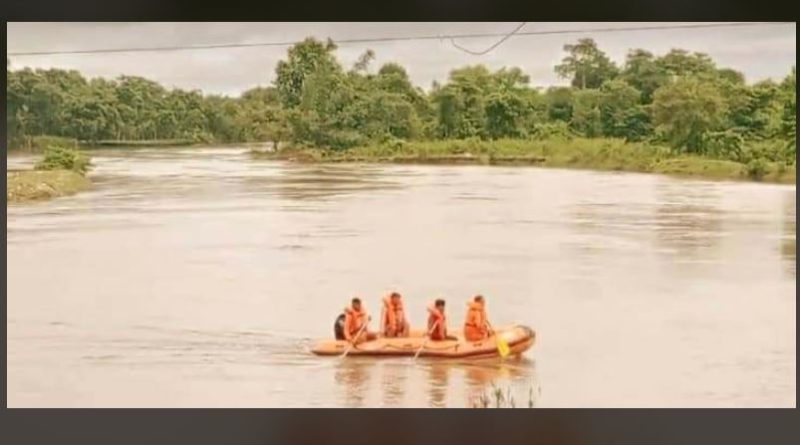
(424, 342)
(355, 339)
(502, 346)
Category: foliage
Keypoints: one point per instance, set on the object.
(680, 98)
(685, 110)
(62, 158)
(621, 114)
(643, 72)
(586, 65)
(723, 144)
(30, 185)
(756, 168)
(303, 60)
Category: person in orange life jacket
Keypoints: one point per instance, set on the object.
(394, 323)
(356, 318)
(437, 322)
(476, 324)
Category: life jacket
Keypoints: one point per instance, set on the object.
(393, 314)
(475, 322)
(440, 332)
(353, 321)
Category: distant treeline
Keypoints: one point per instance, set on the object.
(680, 99)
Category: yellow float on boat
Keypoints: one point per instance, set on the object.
(519, 339)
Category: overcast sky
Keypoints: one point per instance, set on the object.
(759, 52)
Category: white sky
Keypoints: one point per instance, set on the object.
(759, 52)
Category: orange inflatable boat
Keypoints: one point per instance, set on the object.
(518, 338)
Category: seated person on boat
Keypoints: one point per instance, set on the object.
(476, 323)
(437, 322)
(355, 323)
(393, 322)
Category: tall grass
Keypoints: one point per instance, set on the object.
(499, 398)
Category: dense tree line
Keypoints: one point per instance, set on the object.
(681, 99)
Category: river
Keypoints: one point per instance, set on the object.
(201, 277)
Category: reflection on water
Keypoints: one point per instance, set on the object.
(687, 220)
(515, 375)
(394, 381)
(438, 377)
(399, 380)
(196, 278)
(352, 376)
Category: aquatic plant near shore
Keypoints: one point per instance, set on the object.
(499, 398)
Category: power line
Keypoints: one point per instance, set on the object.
(390, 39)
(480, 53)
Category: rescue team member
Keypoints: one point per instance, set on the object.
(437, 322)
(394, 323)
(476, 324)
(356, 318)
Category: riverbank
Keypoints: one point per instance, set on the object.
(35, 185)
(578, 153)
(37, 144)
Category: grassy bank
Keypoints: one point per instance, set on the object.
(593, 154)
(143, 143)
(34, 185)
(37, 144)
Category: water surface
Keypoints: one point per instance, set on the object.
(200, 278)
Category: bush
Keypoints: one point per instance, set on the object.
(771, 151)
(756, 168)
(62, 158)
(200, 137)
(723, 145)
(40, 143)
(790, 153)
(551, 130)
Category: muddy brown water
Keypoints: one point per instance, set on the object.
(200, 278)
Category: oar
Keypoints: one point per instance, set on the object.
(355, 339)
(424, 342)
(502, 346)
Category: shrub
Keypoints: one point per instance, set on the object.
(772, 151)
(756, 168)
(551, 130)
(40, 143)
(723, 145)
(200, 137)
(62, 158)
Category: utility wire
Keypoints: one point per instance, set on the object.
(480, 53)
(391, 39)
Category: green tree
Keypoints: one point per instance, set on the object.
(686, 109)
(559, 104)
(461, 103)
(586, 65)
(505, 115)
(643, 73)
(754, 111)
(621, 115)
(586, 113)
(680, 63)
(303, 60)
(362, 64)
